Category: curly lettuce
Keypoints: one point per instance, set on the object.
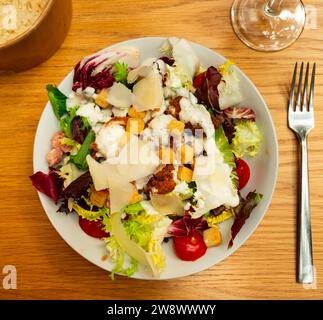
(224, 68)
(212, 220)
(140, 233)
(247, 138)
(141, 236)
(89, 214)
(226, 150)
(123, 264)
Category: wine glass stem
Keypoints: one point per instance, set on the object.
(273, 7)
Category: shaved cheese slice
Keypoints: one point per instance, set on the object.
(147, 67)
(120, 96)
(105, 176)
(128, 245)
(142, 71)
(149, 93)
(120, 194)
(213, 181)
(137, 160)
(167, 204)
(98, 173)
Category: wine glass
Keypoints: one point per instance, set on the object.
(268, 25)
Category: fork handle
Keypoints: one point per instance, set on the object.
(305, 260)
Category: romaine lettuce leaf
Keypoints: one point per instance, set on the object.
(80, 158)
(66, 122)
(57, 100)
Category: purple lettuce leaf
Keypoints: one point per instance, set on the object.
(186, 225)
(79, 130)
(240, 113)
(207, 93)
(78, 187)
(242, 213)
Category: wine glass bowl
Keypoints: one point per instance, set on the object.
(266, 25)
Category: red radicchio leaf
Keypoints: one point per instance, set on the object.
(240, 113)
(83, 76)
(207, 92)
(185, 226)
(242, 213)
(49, 184)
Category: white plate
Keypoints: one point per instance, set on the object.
(263, 176)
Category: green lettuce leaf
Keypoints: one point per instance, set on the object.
(247, 138)
(57, 100)
(119, 257)
(228, 157)
(140, 233)
(66, 122)
(121, 72)
(134, 209)
(80, 158)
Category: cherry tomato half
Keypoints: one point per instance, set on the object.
(198, 79)
(243, 172)
(189, 248)
(93, 228)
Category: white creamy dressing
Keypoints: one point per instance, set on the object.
(93, 113)
(196, 114)
(182, 188)
(109, 140)
(120, 112)
(194, 141)
(76, 99)
(159, 125)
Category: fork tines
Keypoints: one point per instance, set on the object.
(305, 103)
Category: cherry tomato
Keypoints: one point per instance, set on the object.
(243, 172)
(190, 248)
(198, 79)
(93, 228)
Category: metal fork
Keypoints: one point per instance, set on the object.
(301, 121)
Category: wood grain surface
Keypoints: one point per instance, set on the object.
(264, 268)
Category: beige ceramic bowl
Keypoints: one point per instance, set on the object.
(40, 41)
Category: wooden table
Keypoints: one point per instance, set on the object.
(264, 268)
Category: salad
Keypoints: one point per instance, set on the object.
(150, 152)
